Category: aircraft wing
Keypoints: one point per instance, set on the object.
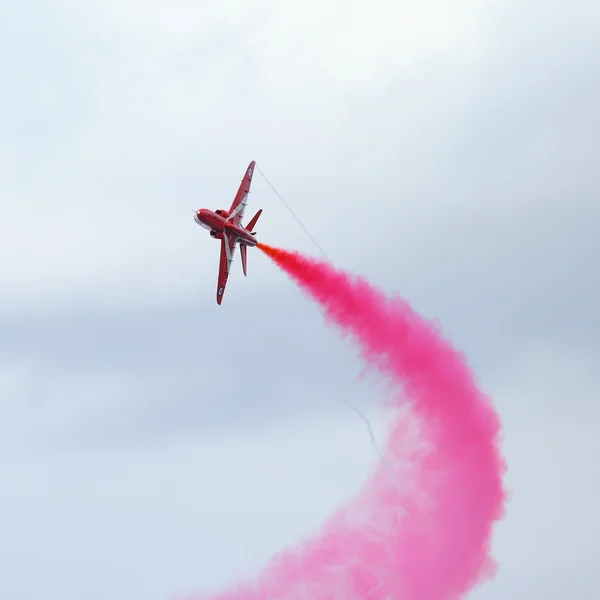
(227, 252)
(238, 206)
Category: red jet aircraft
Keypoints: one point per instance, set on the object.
(226, 225)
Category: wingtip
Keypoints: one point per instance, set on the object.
(220, 291)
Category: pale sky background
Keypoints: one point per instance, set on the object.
(153, 443)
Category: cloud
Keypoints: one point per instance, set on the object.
(549, 405)
(447, 153)
(102, 378)
(176, 506)
(173, 508)
(158, 110)
(172, 102)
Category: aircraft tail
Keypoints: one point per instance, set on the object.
(244, 255)
(243, 247)
(253, 221)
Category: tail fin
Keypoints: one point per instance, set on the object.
(253, 221)
(244, 255)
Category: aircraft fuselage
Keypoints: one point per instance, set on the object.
(216, 222)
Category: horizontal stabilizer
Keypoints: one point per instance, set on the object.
(244, 254)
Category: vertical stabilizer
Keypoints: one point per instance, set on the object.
(253, 221)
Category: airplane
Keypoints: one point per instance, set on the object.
(226, 225)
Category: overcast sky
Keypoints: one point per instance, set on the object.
(153, 443)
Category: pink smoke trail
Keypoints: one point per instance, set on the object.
(427, 535)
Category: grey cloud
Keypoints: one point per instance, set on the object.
(468, 184)
(176, 369)
(550, 410)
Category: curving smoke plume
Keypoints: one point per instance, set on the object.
(423, 534)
